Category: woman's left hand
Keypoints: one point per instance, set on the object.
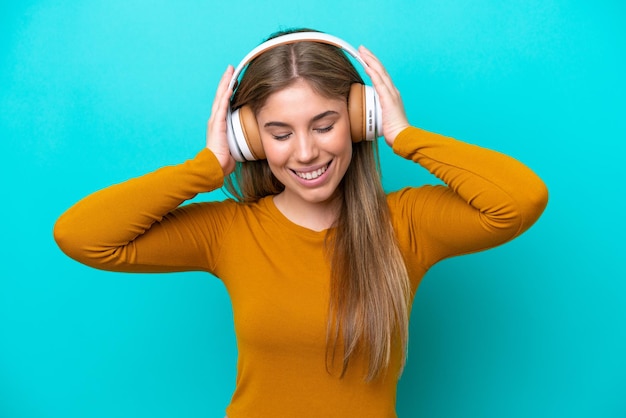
(394, 115)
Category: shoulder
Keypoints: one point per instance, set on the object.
(226, 210)
(219, 208)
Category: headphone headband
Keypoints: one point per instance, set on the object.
(291, 38)
(364, 108)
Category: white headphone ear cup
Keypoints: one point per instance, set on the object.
(244, 140)
(231, 135)
(379, 116)
(372, 114)
(251, 134)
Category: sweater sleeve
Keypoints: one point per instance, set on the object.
(488, 198)
(139, 225)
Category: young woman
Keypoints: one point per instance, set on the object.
(320, 264)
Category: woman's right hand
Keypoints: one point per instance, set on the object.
(216, 139)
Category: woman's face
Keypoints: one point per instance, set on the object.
(306, 138)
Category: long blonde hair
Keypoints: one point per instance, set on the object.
(368, 310)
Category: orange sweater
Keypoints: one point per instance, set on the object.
(275, 271)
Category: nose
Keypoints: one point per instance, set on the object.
(306, 149)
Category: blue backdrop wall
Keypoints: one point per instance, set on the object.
(94, 92)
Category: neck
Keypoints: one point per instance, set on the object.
(317, 216)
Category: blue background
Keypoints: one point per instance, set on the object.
(95, 92)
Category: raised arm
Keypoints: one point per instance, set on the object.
(135, 226)
(490, 197)
(138, 225)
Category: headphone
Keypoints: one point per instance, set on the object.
(242, 131)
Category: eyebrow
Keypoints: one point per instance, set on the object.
(314, 119)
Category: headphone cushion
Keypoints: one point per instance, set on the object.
(251, 134)
(356, 112)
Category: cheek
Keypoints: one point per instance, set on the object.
(275, 151)
(277, 157)
(342, 143)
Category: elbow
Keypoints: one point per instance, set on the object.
(541, 200)
(72, 240)
(65, 237)
(533, 205)
(77, 241)
(518, 212)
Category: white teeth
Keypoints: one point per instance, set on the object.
(311, 174)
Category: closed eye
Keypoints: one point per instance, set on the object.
(281, 137)
(325, 129)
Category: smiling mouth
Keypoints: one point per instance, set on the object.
(311, 175)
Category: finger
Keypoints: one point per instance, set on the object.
(222, 89)
(373, 62)
(377, 72)
(221, 103)
(387, 92)
(380, 73)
